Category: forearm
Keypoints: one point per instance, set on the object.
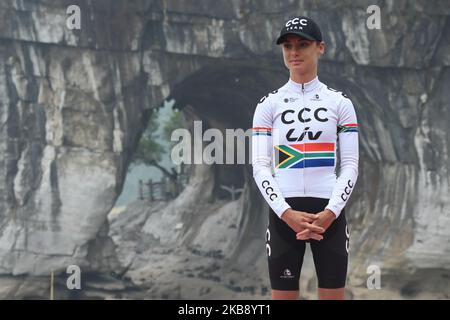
(269, 188)
(348, 175)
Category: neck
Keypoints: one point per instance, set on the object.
(304, 86)
(303, 77)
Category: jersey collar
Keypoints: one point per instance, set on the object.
(308, 86)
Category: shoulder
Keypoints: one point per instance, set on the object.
(340, 98)
(273, 96)
(334, 93)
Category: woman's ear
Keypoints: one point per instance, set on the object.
(322, 48)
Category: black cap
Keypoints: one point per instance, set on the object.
(302, 26)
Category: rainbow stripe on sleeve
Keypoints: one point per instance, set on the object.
(261, 131)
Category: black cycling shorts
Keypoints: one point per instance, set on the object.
(285, 252)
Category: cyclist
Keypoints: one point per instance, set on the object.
(298, 132)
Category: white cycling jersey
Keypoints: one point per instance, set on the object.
(297, 131)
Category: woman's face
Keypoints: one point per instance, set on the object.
(301, 55)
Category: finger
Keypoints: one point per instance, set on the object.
(303, 233)
(307, 219)
(314, 228)
(310, 216)
(304, 236)
(315, 236)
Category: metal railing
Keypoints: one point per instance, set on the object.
(163, 190)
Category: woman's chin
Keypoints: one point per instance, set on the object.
(297, 67)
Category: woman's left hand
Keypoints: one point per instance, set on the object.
(324, 220)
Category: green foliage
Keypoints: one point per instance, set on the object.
(176, 121)
(150, 151)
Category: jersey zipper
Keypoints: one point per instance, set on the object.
(304, 126)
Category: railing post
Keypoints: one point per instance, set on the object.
(141, 190)
(163, 187)
(150, 186)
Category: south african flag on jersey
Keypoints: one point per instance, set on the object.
(349, 127)
(304, 155)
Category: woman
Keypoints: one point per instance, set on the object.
(296, 132)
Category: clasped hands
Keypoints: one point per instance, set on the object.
(307, 225)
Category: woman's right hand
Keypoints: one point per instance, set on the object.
(299, 221)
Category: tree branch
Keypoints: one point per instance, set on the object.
(164, 170)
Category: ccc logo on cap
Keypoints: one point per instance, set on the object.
(303, 22)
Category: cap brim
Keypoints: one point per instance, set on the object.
(281, 38)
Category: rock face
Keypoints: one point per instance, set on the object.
(71, 109)
(74, 103)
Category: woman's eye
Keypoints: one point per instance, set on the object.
(288, 46)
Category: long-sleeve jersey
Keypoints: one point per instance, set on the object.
(297, 132)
